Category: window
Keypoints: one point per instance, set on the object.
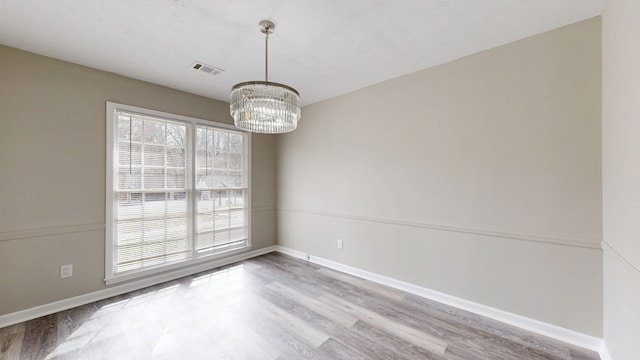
(177, 191)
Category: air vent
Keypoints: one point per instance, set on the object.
(207, 68)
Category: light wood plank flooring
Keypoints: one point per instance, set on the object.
(273, 307)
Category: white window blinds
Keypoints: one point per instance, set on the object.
(220, 189)
(151, 192)
(178, 190)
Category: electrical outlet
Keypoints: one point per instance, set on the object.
(340, 244)
(66, 271)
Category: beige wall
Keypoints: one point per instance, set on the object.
(52, 172)
(621, 177)
(480, 178)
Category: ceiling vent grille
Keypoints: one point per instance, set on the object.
(207, 68)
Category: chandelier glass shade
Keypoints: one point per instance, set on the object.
(263, 106)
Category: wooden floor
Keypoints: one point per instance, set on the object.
(273, 307)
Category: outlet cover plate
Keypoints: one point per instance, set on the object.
(66, 271)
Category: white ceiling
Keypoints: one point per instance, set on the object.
(324, 48)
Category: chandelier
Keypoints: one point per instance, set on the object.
(263, 106)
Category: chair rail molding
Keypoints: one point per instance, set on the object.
(556, 240)
(50, 231)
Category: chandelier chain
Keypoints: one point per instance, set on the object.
(266, 56)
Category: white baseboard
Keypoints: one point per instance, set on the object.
(604, 352)
(539, 327)
(42, 310)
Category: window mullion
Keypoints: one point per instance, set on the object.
(167, 197)
(193, 192)
(143, 197)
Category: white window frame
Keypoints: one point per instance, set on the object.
(197, 258)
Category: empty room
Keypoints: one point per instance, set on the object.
(358, 179)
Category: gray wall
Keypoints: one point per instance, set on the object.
(52, 172)
(480, 178)
(621, 177)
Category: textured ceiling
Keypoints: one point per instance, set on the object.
(324, 48)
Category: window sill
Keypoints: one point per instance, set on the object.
(183, 268)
